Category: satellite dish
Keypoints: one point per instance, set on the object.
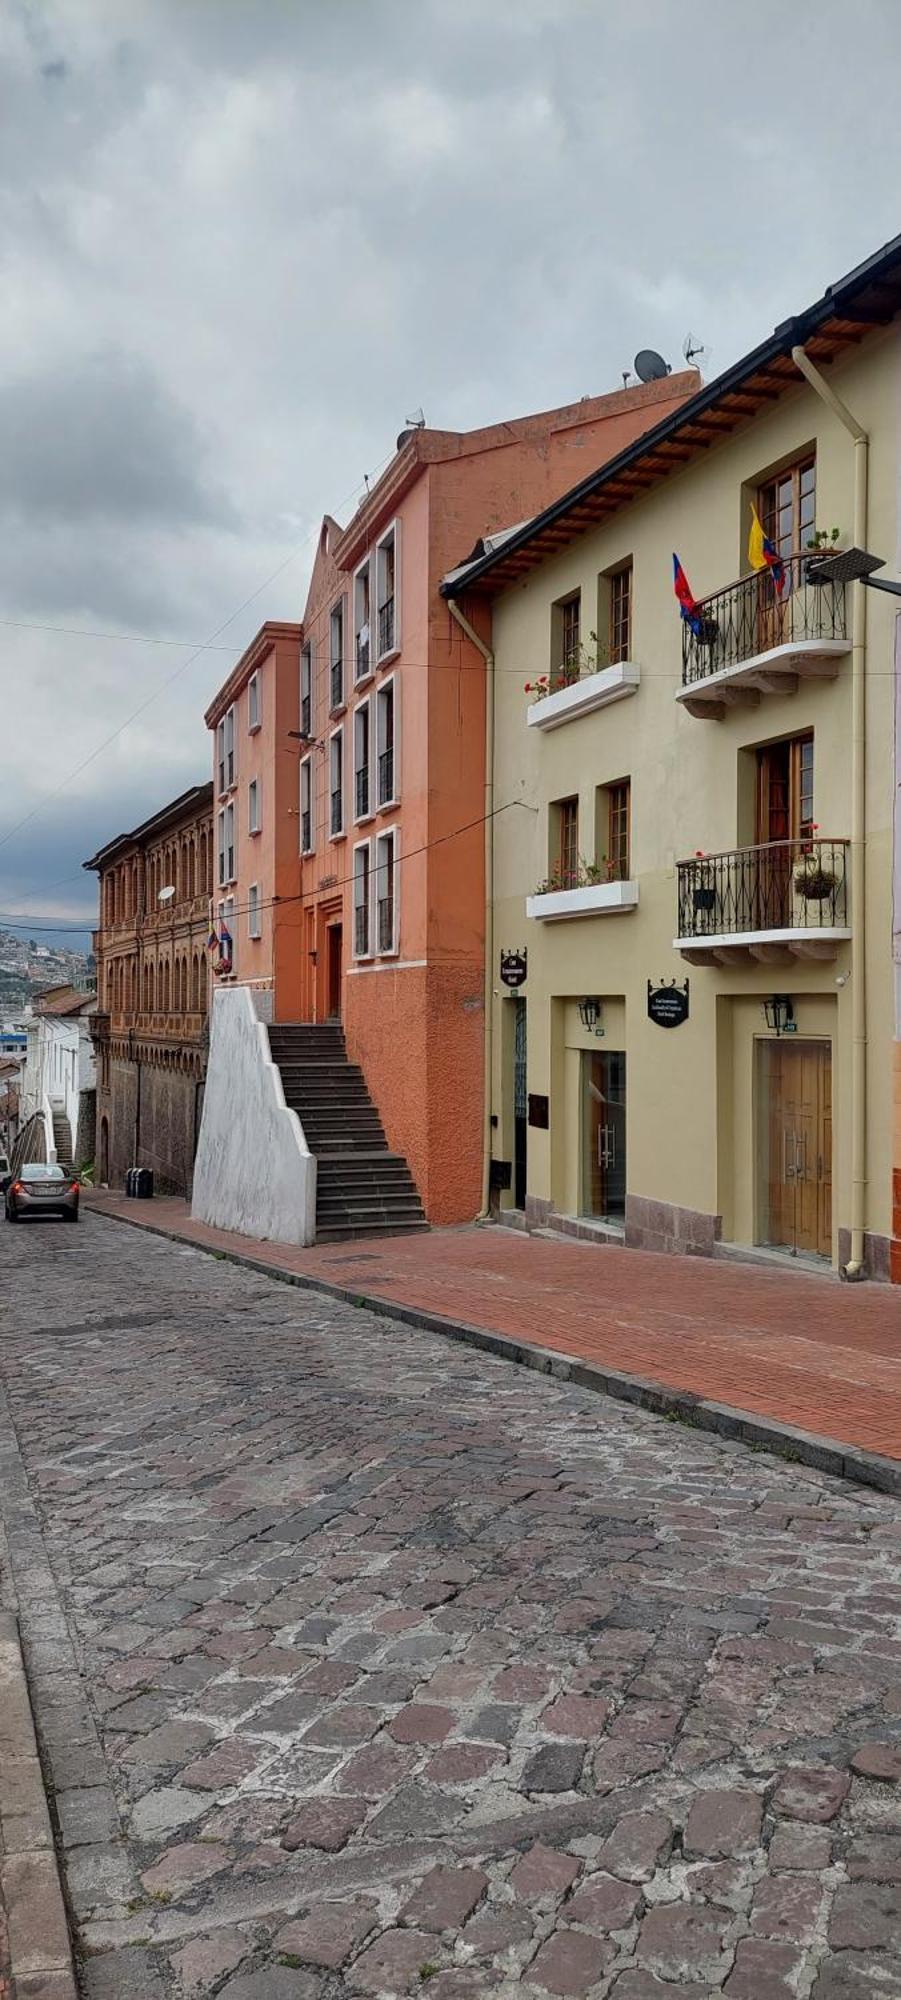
(650, 366)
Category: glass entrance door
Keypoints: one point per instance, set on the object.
(604, 1134)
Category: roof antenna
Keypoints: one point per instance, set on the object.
(692, 349)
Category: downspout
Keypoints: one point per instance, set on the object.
(853, 1270)
(488, 658)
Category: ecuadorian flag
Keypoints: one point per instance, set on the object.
(763, 554)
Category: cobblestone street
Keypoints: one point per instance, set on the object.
(364, 1664)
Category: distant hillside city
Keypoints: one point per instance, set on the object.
(26, 967)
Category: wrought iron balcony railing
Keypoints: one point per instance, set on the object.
(361, 931)
(784, 885)
(386, 777)
(361, 792)
(337, 684)
(306, 715)
(306, 831)
(386, 923)
(362, 655)
(336, 817)
(386, 627)
(750, 617)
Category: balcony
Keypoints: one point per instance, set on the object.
(572, 693)
(386, 627)
(752, 642)
(785, 900)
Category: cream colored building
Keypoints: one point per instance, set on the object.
(683, 824)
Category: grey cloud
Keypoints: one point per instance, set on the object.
(101, 437)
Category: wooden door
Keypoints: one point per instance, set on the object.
(335, 952)
(799, 1185)
(786, 506)
(520, 1105)
(784, 818)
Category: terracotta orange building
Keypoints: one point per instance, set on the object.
(382, 736)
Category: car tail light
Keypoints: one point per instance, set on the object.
(18, 1187)
(74, 1187)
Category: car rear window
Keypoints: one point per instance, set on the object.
(40, 1171)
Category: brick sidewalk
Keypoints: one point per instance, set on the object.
(825, 1358)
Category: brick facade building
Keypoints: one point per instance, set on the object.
(150, 1028)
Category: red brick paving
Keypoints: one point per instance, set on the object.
(786, 1345)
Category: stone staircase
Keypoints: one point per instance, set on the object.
(62, 1140)
(362, 1189)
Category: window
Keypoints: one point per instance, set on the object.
(227, 844)
(618, 831)
(566, 639)
(787, 506)
(306, 806)
(336, 783)
(254, 821)
(254, 928)
(336, 656)
(565, 843)
(362, 781)
(306, 691)
(386, 902)
(362, 649)
(385, 730)
(620, 620)
(361, 901)
(253, 702)
(225, 743)
(386, 585)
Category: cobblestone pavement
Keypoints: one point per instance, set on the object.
(780, 1343)
(367, 1665)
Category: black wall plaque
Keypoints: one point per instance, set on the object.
(668, 1005)
(514, 967)
(539, 1112)
(501, 1175)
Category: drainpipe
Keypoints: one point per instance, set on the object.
(488, 658)
(853, 1270)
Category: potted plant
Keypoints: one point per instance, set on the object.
(814, 881)
(820, 542)
(703, 891)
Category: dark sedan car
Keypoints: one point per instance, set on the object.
(42, 1190)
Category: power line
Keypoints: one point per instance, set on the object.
(170, 678)
(304, 896)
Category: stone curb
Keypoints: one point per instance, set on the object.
(39, 1947)
(842, 1461)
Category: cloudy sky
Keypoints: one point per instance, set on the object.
(240, 240)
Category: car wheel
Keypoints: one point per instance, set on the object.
(71, 1215)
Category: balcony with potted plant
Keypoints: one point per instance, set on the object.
(754, 638)
(583, 681)
(590, 889)
(782, 900)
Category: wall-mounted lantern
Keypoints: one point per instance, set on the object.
(590, 1014)
(780, 1014)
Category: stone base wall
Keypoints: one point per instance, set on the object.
(877, 1253)
(160, 1132)
(86, 1133)
(660, 1225)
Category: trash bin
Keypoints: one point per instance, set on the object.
(130, 1180)
(144, 1183)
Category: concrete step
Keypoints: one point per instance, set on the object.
(339, 1233)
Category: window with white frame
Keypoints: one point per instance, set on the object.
(386, 892)
(361, 901)
(336, 655)
(386, 744)
(220, 754)
(386, 588)
(227, 844)
(254, 926)
(362, 758)
(254, 807)
(362, 643)
(306, 691)
(306, 806)
(254, 713)
(229, 747)
(336, 783)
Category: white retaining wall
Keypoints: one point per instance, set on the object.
(254, 1171)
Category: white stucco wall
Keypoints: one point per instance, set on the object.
(254, 1171)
